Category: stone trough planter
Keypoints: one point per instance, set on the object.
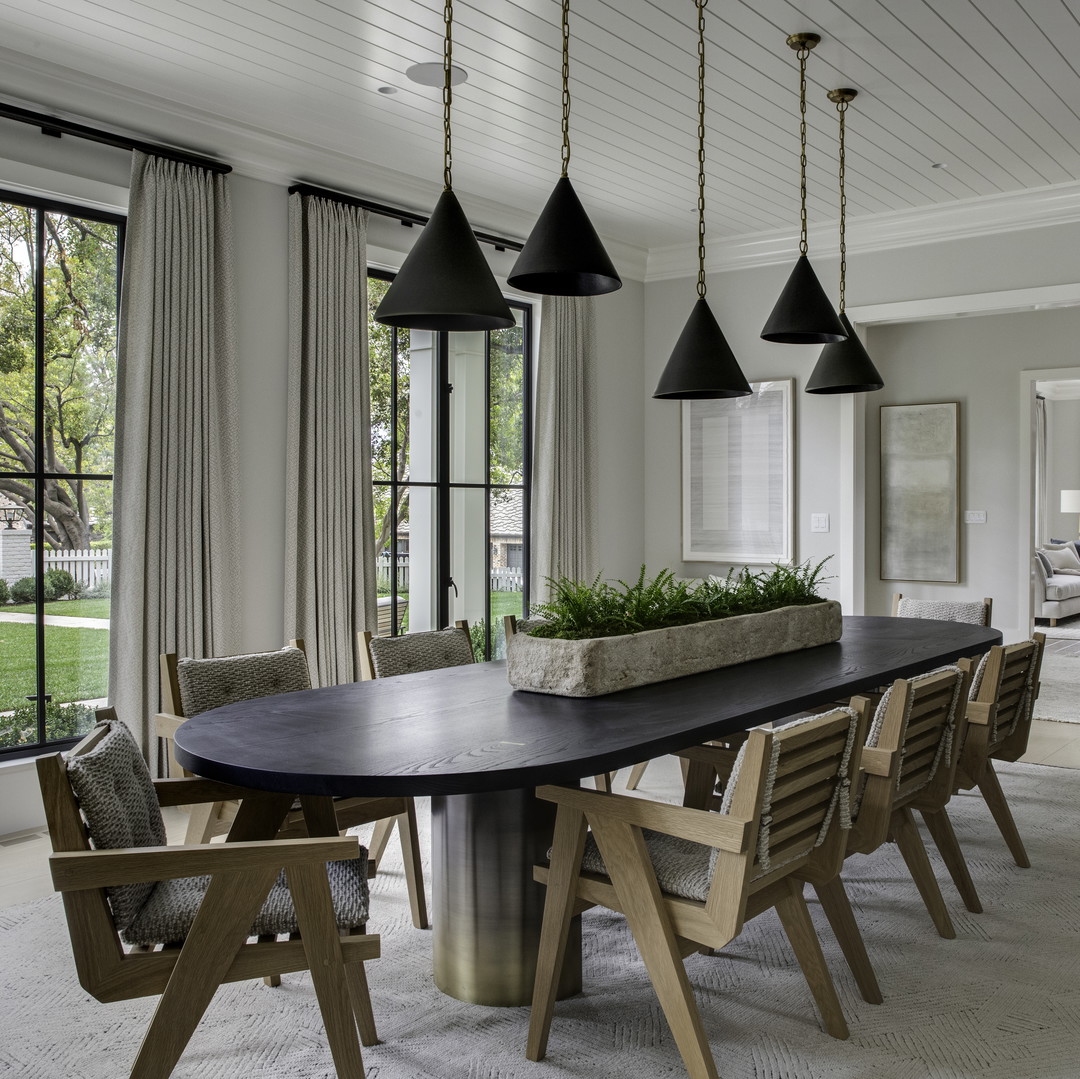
(599, 665)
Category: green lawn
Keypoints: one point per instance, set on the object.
(77, 662)
(74, 608)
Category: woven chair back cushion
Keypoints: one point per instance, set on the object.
(118, 802)
(167, 914)
(213, 683)
(428, 651)
(944, 610)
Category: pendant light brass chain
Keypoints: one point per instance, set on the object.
(841, 108)
(701, 146)
(565, 86)
(804, 246)
(447, 93)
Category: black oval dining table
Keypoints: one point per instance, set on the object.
(463, 736)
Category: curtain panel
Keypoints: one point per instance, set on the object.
(330, 543)
(564, 503)
(175, 533)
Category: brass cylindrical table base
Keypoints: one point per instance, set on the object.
(487, 907)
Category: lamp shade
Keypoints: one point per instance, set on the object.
(702, 364)
(803, 314)
(445, 282)
(845, 366)
(563, 255)
(1070, 501)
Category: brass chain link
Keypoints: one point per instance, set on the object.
(841, 108)
(447, 93)
(804, 246)
(701, 146)
(565, 86)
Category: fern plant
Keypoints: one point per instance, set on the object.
(577, 610)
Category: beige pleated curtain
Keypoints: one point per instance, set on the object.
(175, 538)
(330, 543)
(564, 503)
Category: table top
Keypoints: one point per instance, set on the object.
(465, 730)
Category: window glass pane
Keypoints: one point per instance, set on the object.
(18, 656)
(468, 555)
(507, 403)
(468, 403)
(507, 580)
(17, 351)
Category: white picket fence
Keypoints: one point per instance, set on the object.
(88, 567)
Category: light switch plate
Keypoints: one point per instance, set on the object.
(819, 522)
(974, 517)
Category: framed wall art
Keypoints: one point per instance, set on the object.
(737, 477)
(920, 492)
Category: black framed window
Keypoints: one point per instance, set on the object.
(451, 422)
(60, 268)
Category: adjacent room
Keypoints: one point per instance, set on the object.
(539, 538)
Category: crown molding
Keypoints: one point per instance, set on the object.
(988, 215)
(254, 151)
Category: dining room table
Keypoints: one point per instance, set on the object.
(463, 736)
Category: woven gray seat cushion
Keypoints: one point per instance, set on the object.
(167, 915)
(213, 683)
(682, 867)
(944, 610)
(430, 650)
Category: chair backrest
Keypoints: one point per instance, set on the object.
(428, 650)
(192, 686)
(911, 749)
(976, 613)
(1006, 682)
(796, 782)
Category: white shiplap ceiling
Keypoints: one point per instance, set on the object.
(990, 89)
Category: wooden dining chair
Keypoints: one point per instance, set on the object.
(146, 919)
(1004, 688)
(974, 612)
(687, 879)
(190, 687)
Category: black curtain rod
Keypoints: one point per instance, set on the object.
(53, 125)
(406, 217)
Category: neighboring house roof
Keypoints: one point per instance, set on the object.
(507, 516)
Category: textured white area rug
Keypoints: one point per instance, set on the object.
(1002, 1001)
(1059, 691)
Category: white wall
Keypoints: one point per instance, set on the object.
(1062, 465)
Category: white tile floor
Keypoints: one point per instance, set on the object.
(24, 873)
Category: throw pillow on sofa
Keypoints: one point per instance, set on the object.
(1063, 559)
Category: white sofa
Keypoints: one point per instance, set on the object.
(1057, 595)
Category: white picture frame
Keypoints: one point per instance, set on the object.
(738, 482)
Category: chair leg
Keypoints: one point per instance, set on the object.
(635, 775)
(201, 823)
(941, 831)
(627, 861)
(795, 919)
(379, 839)
(906, 834)
(837, 908)
(602, 782)
(217, 934)
(990, 789)
(567, 847)
(359, 994)
(322, 946)
(414, 872)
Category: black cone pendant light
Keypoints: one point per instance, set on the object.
(803, 315)
(702, 364)
(563, 255)
(445, 282)
(844, 367)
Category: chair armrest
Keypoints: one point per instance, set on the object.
(720, 756)
(876, 762)
(713, 829)
(86, 869)
(978, 713)
(193, 789)
(165, 724)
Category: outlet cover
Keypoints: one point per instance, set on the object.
(974, 517)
